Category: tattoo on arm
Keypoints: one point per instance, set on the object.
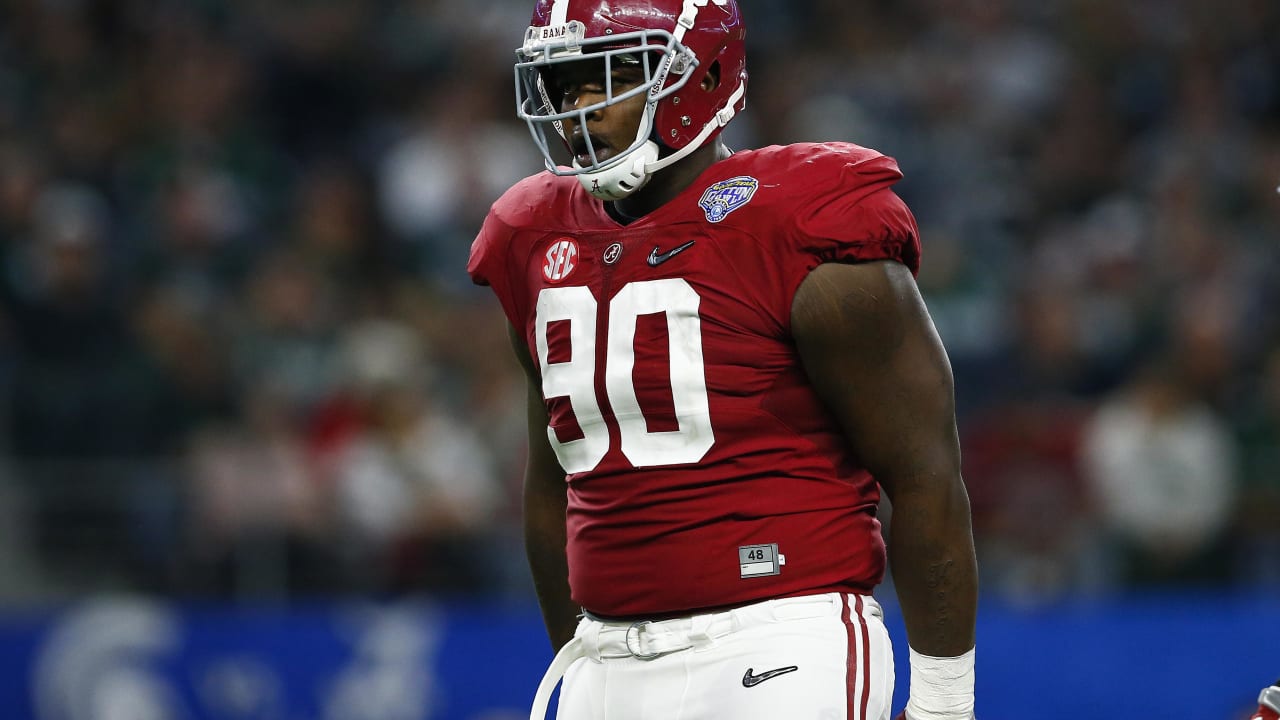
(939, 583)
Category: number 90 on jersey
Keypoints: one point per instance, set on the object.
(614, 355)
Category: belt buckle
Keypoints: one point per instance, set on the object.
(638, 626)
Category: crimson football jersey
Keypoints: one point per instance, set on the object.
(703, 471)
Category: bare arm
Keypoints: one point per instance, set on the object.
(871, 351)
(545, 501)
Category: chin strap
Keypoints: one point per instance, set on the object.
(635, 168)
(618, 181)
(721, 119)
(625, 178)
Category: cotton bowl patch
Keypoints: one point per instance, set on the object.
(726, 196)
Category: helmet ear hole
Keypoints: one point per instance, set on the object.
(711, 80)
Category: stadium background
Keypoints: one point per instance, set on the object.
(258, 450)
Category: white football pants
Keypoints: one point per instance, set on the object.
(818, 657)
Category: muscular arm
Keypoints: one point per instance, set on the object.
(871, 351)
(544, 514)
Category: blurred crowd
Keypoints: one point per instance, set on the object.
(240, 355)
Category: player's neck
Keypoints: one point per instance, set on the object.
(666, 184)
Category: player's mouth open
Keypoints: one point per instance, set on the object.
(582, 152)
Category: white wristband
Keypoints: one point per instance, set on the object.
(941, 687)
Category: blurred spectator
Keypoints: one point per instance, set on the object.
(1034, 517)
(335, 229)
(86, 414)
(1162, 467)
(415, 485)
(1032, 509)
(262, 518)
(437, 181)
(287, 331)
(1258, 514)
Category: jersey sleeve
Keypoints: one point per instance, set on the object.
(857, 217)
(848, 213)
(490, 260)
(480, 266)
(499, 249)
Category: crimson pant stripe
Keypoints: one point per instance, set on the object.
(858, 667)
(850, 661)
(866, 661)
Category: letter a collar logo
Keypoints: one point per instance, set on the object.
(561, 260)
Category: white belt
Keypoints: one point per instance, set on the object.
(568, 654)
(647, 640)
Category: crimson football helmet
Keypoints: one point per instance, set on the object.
(675, 42)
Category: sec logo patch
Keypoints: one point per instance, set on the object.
(561, 261)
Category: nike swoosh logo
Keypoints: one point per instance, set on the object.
(656, 258)
(749, 680)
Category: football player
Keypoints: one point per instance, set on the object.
(728, 359)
